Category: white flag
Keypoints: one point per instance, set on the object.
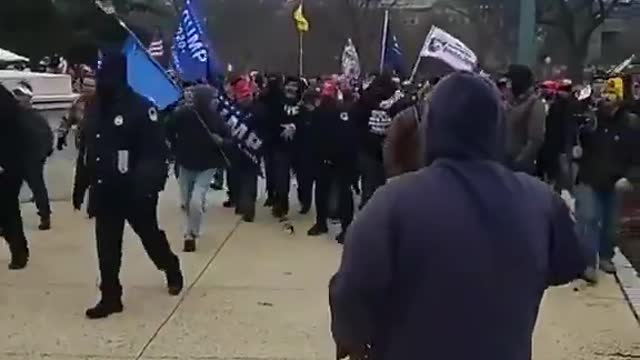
(350, 61)
(441, 45)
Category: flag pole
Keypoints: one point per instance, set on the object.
(300, 53)
(417, 63)
(383, 47)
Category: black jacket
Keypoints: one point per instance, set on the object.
(191, 142)
(126, 152)
(608, 151)
(333, 135)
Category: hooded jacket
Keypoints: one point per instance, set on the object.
(191, 142)
(525, 131)
(125, 149)
(451, 261)
(13, 150)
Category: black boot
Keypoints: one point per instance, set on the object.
(228, 204)
(45, 223)
(106, 307)
(340, 237)
(189, 245)
(318, 229)
(269, 202)
(175, 282)
(19, 259)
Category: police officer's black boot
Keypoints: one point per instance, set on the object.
(108, 304)
(19, 250)
(175, 281)
(19, 259)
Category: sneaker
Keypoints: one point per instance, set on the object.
(189, 245)
(105, 308)
(45, 223)
(19, 260)
(607, 266)
(317, 230)
(175, 282)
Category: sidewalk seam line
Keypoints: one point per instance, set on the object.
(187, 291)
(627, 279)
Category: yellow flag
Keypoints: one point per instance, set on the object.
(301, 22)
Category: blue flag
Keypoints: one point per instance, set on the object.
(147, 77)
(193, 54)
(393, 56)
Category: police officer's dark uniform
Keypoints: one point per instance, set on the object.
(14, 152)
(126, 160)
(334, 158)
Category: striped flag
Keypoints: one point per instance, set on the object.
(156, 48)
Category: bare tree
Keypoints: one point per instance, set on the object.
(576, 20)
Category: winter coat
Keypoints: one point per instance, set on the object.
(525, 118)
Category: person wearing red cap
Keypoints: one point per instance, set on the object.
(243, 173)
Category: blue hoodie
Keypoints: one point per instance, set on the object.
(451, 262)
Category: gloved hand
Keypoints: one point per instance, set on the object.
(289, 130)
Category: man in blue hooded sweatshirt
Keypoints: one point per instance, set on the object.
(451, 262)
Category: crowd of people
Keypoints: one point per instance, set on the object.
(425, 158)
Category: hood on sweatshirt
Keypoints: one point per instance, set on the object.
(465, 120)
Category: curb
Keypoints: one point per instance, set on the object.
(629, 282)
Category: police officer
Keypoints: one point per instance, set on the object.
(14, 152)
(126, 158)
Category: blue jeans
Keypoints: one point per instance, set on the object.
(193, 191)
(597, 218)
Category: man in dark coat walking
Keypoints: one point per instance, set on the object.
(415, 284)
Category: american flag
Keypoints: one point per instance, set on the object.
(156, 48)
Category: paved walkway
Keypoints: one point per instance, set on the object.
(255, 292)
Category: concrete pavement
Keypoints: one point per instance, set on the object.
(255, 292)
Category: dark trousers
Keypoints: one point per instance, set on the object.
(373, 175)
(281, 171)
(141, 215)
(10, 218)
(327, 177)
(304, 175)
(35, 180)
(242, 178)
(269, 174)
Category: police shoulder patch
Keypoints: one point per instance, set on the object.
(344, 116)
(153, 114)
(119, 120)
